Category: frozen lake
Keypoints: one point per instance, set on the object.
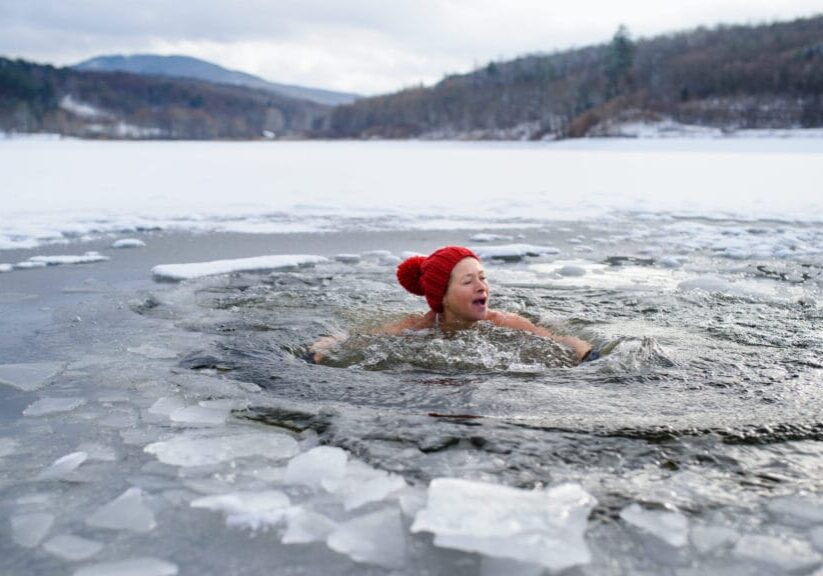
(154, 427)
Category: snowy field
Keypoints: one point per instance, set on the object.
(158, 418)
(65, 190)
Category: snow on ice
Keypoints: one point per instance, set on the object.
(128, 243)
(533, 526)
(179, 272)
(254, 510)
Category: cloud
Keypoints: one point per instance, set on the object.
(366, 46)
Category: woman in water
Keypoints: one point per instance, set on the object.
(453, 281)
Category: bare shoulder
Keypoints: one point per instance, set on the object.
(411, 322)
(515, 321)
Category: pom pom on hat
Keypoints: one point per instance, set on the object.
(408, 274)
(429, 276)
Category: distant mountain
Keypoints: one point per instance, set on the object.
(35, 98)
(186, 67)
(728, 77)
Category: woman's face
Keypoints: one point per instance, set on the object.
(467, 296)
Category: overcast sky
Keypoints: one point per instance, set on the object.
(364, 46)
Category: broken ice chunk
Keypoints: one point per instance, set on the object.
(29, 377)
(671, 527)
(787, 554)
(533, 526)
(72, 548)
(166, 405)
(364, 484)
(248, 509)
(376, 538)
(98, 452)
(132, 567)
(28, 530)
(63, 466)
(321, 467)
(126, 512)
(52, 406)
(193, 450)
(707, 538)
(306, 526)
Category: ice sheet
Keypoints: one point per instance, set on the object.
(178, 272)
(29, 377)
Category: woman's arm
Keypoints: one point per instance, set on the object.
(509, 320)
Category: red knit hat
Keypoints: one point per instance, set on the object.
(429, 277)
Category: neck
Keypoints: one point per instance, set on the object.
(451, 323)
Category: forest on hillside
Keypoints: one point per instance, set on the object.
(37, 98)
(729, 77)
(733, 77)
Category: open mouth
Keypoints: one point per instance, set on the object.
(479, 302)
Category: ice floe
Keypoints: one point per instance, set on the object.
(128, 243)
(543, 527)
(46, 406)
(29, 377)
(179, 272)
(348, 258)
(72, 548)
(61, 260)
(126, 512)
(671, 527)
(144, 566)
(195, 450)
(375, 538)
(6, 268)
(28, 530)
(487, 237)
(63, 465)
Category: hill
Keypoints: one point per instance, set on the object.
(187, 67)
(730, 77)
(40, 98)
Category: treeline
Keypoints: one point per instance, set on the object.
(732, 77)
(37, 98)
